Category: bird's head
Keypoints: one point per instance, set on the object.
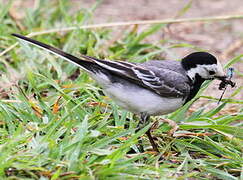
(202, 65)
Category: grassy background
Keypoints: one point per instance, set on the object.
(56, 124)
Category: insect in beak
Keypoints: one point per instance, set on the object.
(226, 81)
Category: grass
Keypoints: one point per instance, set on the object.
(56, 124)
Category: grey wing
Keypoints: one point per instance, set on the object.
(162, 81)
(172, 77)
(171, 83)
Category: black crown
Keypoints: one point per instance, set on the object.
(198, 58)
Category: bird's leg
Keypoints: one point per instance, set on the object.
(144, 119)
(151, 140)
(173, 125)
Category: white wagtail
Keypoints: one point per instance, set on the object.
(151, 88)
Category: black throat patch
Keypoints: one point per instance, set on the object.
(195, 87)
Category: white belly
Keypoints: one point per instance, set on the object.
(138, 100)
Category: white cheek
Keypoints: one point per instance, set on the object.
(203, 71)
(197, 70)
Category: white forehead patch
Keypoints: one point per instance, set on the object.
(202, 70)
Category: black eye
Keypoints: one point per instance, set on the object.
(211, 72)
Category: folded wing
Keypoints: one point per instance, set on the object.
(161, 80)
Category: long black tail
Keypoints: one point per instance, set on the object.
(84, 63)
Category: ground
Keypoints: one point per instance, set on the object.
(55, 123)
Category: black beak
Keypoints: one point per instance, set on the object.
(222, 78)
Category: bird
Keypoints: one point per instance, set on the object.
(151, 88)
